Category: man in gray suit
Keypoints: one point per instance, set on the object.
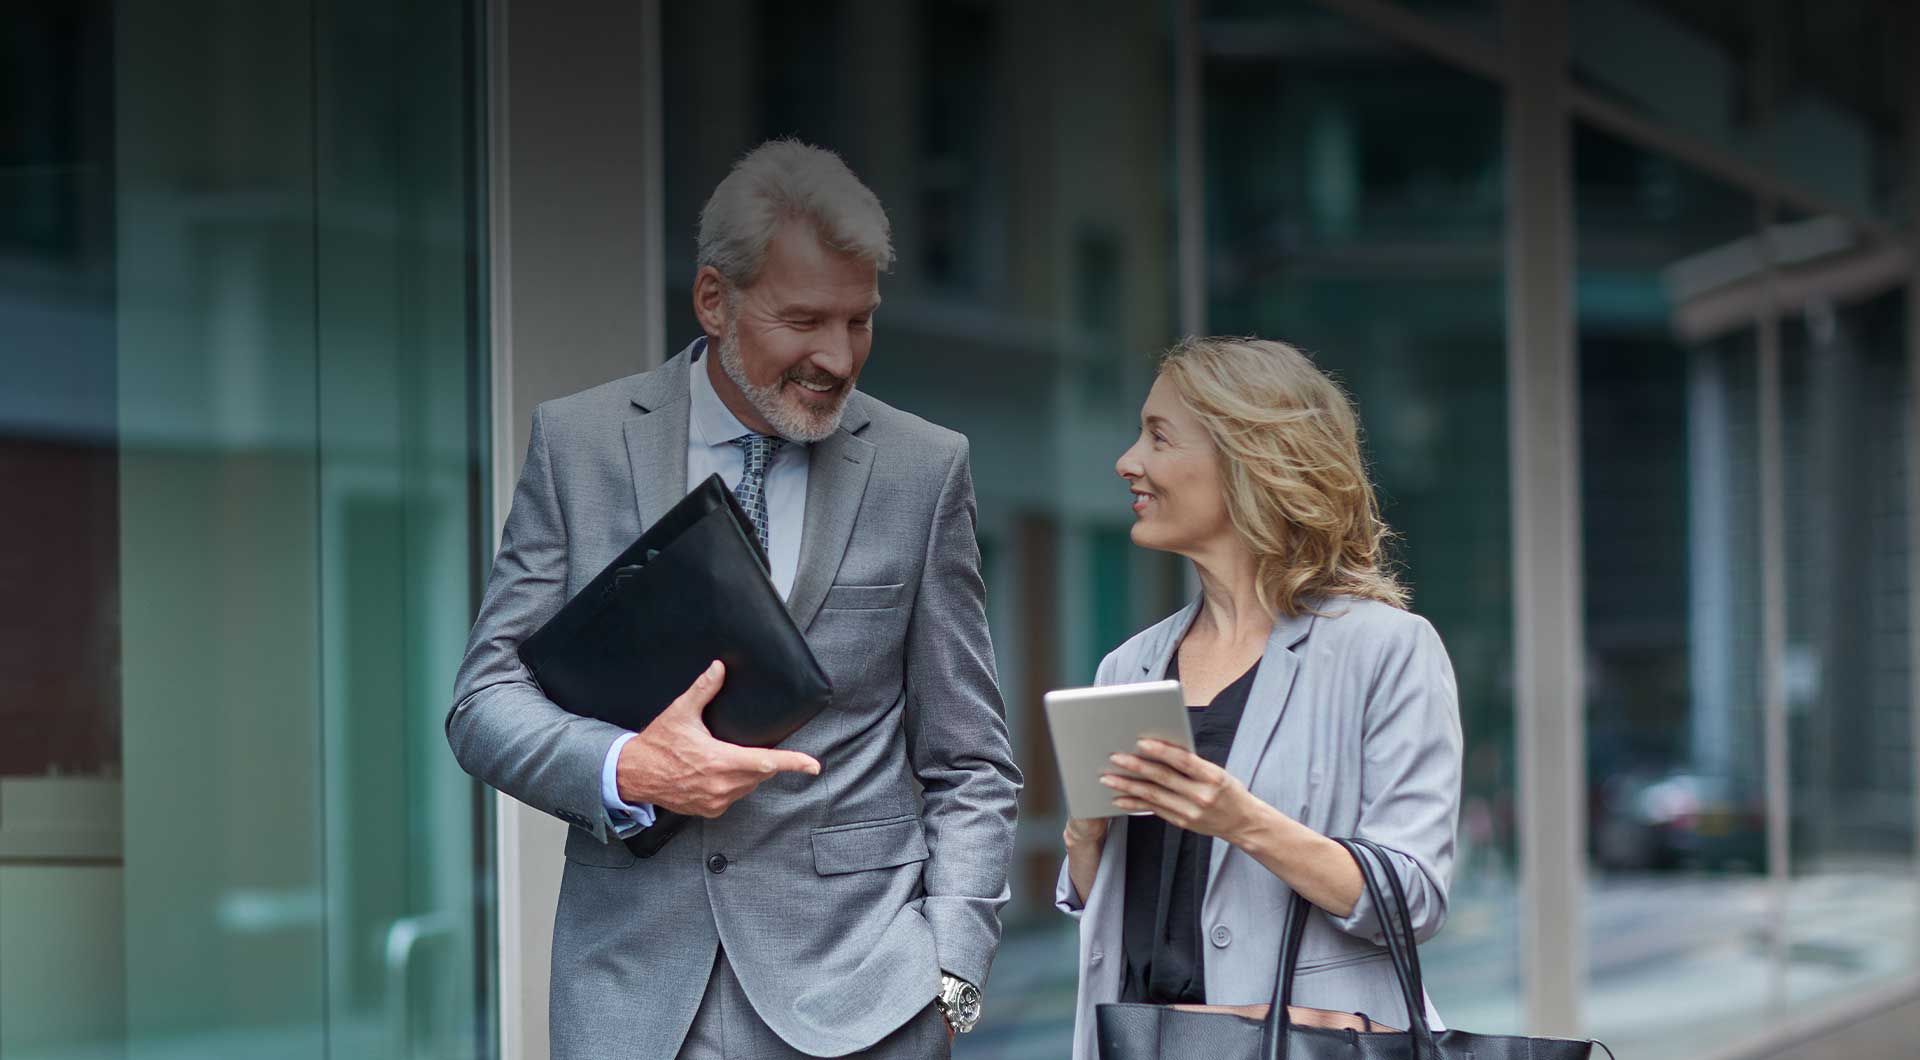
(840, 894)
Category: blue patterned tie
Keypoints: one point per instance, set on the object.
(752, 490)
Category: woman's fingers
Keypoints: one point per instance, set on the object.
(1177, 758)
(1162, 751)
(1163, 775)
(1211, 805)
(1145, 795)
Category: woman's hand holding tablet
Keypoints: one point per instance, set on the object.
(1090, 725)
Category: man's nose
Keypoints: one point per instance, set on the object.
(835, 354)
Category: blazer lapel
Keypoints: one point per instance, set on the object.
(837, 473)
(1266, 702)
(1156, 653)
(657, 440)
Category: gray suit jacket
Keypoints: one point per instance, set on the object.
(843, 895)
(1352, 728)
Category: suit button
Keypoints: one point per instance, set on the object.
(717, 864)
(1221, 936)
(1095, 957)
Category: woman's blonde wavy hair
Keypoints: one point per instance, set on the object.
(1297, 488)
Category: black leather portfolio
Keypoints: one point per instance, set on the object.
(693, 588)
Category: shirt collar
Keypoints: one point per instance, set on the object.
(709, 420)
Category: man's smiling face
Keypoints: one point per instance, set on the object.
(792, 343)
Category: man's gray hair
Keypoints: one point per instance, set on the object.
(788, 180)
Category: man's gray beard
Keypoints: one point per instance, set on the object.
(788, 421)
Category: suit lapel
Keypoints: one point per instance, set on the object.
(837, 473)
(1266, 702)
(657, 440)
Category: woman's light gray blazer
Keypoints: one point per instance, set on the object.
(1352, 728)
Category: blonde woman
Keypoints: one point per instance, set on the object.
(1320, 706)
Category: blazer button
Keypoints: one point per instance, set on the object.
(717, 864)
(1221, 936)
(1095, 957)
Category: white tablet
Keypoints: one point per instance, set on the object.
(1091, 724)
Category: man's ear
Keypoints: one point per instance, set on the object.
(710, 301)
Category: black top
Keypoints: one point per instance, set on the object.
(1167, 874)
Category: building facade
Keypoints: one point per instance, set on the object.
(1625, 292)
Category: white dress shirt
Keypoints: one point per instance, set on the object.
(711, 429)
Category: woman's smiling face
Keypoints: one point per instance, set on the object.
(1173, 471)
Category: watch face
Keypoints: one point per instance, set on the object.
(962, 1004)
(969, 1004)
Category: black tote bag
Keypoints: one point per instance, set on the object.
(1159, 1032)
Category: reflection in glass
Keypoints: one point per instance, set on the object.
(1845, 384)
(1670, 497)
(237, 256)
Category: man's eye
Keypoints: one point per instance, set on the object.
(861, 322)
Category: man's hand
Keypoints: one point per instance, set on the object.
(676, 764)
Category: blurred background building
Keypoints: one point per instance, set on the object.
(1625, 291)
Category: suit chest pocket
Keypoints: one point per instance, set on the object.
(864, 597)
(860, 636)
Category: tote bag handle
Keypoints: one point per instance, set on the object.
(1390, 901)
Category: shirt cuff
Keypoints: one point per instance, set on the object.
(624, 818)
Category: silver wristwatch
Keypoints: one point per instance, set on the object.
(959, 1001)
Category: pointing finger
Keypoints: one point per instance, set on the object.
(789, 762)
(767, 761)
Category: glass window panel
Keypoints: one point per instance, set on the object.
(400, 384)
(1479, 17)
(1247, 21)
(1670, 500)
(1846, 390)
(1811, 92)
(1364, 223)
(1471, 16)
(237, 262)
